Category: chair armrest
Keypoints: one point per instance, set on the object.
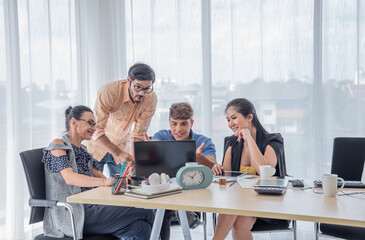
(53, 203)
(42, 203)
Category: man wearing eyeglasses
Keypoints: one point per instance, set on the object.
(118, 106)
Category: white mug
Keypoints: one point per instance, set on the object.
(266, 171)
(329, 184)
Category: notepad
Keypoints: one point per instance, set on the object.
(133, 194)
(247, 183)
(143, 194)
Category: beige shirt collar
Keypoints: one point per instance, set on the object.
(126, 95)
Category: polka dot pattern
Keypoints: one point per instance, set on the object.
(56, 164)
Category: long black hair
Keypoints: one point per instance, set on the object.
(245, 107)
(75, 112)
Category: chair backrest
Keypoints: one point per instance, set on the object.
(281, 165)
(348, 157)
(34, 173)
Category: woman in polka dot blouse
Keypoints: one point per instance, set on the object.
(70, 169)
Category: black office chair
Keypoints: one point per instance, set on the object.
(271, 225)
(347, 162)
(34, 173)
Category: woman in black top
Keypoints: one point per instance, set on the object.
(250, 146)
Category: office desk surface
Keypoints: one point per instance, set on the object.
(296, 204)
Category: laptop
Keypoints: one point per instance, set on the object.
(281, 183)
(162, 156)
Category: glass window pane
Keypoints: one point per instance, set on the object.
(263, 51)
(171, 44)
(3, 119)
(343, 88)
(48, 81)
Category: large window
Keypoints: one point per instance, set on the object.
(48, 66)
(171, 43)
(263, 51)
(343, 72)
(256, 53)
(302, 64)
(3, 121)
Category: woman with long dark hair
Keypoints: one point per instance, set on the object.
(249, 147)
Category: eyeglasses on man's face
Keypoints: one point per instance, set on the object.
(139, 88)
(90, 122)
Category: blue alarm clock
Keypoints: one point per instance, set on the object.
(194, 177)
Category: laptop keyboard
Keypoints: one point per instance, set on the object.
(348, 184)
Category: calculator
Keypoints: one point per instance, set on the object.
(270, 190)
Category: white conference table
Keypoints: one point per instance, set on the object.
(304, 205)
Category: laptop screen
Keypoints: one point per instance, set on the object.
(162, 156)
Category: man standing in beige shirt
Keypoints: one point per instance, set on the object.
(120, 104)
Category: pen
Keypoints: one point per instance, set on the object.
(233, 183)
(244, 173)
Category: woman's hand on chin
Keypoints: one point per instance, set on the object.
(244, 134)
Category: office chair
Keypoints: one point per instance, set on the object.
(279, 224)
(34, 173)
(347, 162)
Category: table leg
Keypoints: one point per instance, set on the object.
(184, 224)
(157, 223)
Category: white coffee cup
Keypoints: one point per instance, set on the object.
(329, 184)
(266, 171)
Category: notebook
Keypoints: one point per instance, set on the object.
(162, 156)
(143, 194)
(283, 183)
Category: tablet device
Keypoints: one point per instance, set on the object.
(230, 176)
(283, 183)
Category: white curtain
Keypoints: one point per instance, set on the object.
(38, 81)
(300, 62)
(52, 54)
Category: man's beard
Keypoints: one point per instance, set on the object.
(138, 96)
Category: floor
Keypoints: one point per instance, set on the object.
(305, 231)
